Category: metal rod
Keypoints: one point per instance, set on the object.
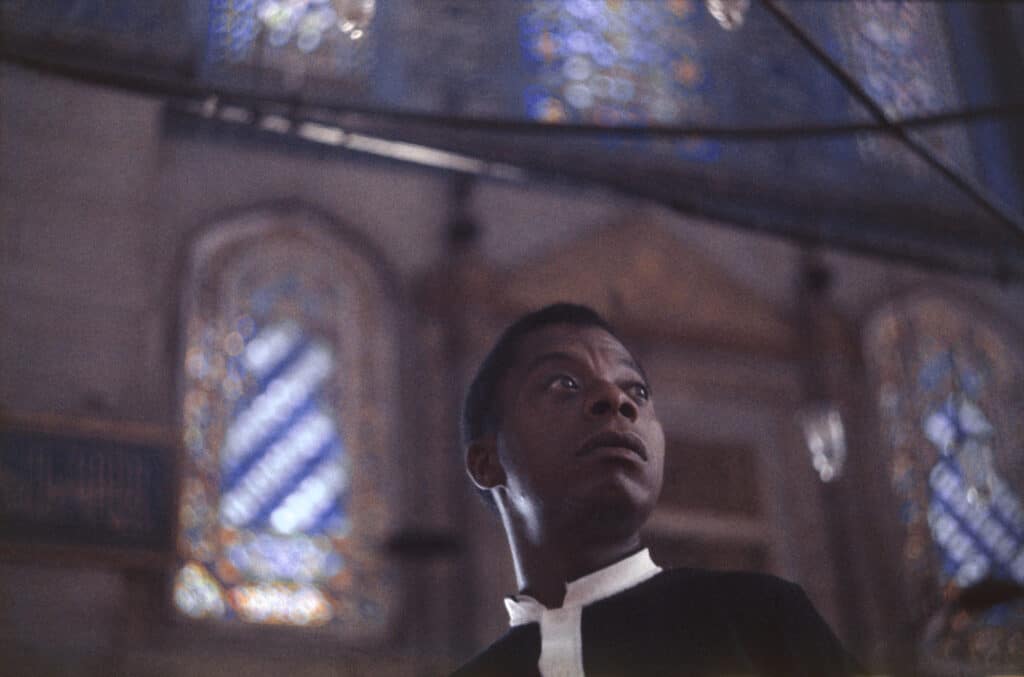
(971, 188)
(253, 99)
(478, 165)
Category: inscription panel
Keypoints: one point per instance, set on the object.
(60, 488)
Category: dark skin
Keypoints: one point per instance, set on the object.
(575, 467)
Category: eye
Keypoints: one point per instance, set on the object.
(639, 392)
(563, 382)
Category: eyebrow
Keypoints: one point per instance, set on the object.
(558, 356)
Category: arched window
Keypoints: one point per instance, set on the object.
(950, 394)
(287, 377)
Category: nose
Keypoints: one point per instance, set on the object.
(607, 399)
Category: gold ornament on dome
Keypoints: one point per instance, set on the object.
(730, 14)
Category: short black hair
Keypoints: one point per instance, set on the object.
(481, 412)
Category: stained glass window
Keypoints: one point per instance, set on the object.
(616, 62)
(950, 391)
(284, 499)
(297, 38)
(900, 55)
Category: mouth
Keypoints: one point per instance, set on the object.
(610, 439)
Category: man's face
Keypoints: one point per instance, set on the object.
(578, 436)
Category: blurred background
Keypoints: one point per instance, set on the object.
(252, 251)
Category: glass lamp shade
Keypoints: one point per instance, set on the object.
(825, 434)
(729, 14)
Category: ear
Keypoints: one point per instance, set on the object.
(482, 463)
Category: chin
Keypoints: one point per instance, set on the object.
(617, 506)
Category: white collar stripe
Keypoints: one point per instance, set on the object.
(561, 652)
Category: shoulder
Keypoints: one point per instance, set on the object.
(751, 603)
(762, 621)
(745, 586)
(718, 578)
(741, 594)
(778, 624)
(771, 617)
(679, 597)
(514, 653)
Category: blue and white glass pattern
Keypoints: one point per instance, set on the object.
(975, 518)
(282, 464)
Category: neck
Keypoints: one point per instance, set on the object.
(544, 565)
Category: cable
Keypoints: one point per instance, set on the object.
(973, 190)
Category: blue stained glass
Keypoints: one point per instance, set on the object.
(634, 63)
(232, 29)
(283, 462)
(273, 529)
(975, 518)
(971, 381)
(274, 558)
(283, 467)
(627, 49)
(976, 541)
(935, 370)
(949, 398)
(900, 53)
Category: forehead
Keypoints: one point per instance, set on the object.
(561, 341)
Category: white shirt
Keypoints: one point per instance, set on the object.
(561, 637)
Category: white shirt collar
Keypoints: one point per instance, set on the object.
(597, 585)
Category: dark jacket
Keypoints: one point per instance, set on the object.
(688, 622)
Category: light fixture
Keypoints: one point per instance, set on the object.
(819, 418)
(823, 429)
(729, 14)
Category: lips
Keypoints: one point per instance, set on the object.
(614, 439)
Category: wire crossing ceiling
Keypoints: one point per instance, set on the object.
(892, 128)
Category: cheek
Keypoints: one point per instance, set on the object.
(519, 455)
(543, 422)
(532, 459)
(656, 440)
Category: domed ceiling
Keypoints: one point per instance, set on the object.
(893, 128)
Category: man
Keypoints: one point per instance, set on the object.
(562, 437)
